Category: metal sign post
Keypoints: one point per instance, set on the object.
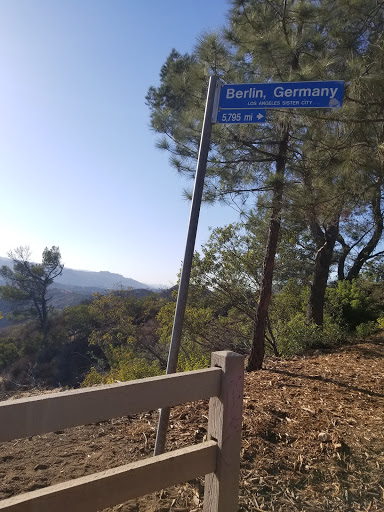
(188, 256)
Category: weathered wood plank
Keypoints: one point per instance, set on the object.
(57, 411)
(224, 426)
(114, 486)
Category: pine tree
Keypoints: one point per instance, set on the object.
(28, 284)
(294, 151)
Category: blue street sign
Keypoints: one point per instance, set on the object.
(241, 116)
(282, 95)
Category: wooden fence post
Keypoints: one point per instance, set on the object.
(224, 427)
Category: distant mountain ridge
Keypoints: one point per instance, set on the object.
(75, 286)
(102, 280)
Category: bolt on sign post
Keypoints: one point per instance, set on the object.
(235, 104)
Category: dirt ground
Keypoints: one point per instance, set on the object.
(312, 440)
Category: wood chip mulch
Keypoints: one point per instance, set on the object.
(313, 440)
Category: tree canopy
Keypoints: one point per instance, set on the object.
(28, 284)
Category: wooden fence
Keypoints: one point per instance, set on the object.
(218, 458)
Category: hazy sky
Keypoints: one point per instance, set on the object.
(79, 167)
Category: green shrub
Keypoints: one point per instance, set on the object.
(9, 353)
(350, 303)
(297, 336)
(380, 322)
(133, 368)
(367, 328)
(124, 365)
(93, 378)
(193, 359)
(289, 301)
(32, 346)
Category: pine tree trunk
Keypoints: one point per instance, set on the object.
(315, 309)
(346, 249)
(366, 252)
(256, 357)
(44, 318)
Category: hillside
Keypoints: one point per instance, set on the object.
(103, 280)
(285, 464)
(75, 286)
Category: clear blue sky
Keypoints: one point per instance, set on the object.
(79, 167)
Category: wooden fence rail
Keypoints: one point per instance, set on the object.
(218, 458)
